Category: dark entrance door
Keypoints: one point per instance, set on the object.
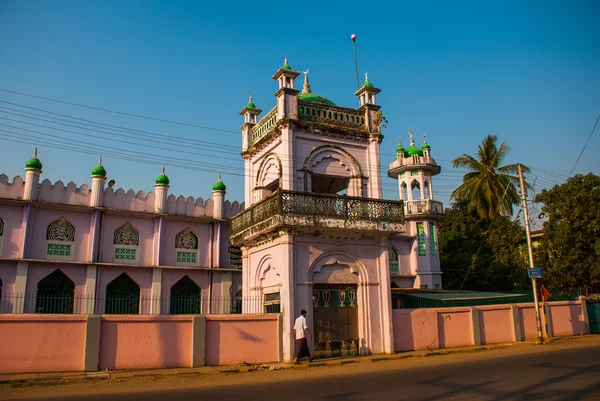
(335, 316)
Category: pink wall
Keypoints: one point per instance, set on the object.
(567, 318)
(144, 342)
(454, 326)
(38, 271)
(236, 338)
(173, 227)
(146, 228)
(415, 329)
(528, 323)
(8, 272)
(13, 233)
(496, 324)
(36, 343)
(43, 217)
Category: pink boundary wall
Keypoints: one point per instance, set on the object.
(60, 343)
(421, 329)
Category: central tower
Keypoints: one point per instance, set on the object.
(315, 231)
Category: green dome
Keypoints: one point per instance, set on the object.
(162, 179)
(368, 84)
(400, 149)
(34, 162)
(286, 67)
(311, 97)
(219, 186)
(425, 146)
(413, 150)
(99, 170)
(251, 105)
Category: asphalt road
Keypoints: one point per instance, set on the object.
(546, 373)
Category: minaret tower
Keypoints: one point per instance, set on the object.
(33, 170)
(250, 113)
(98, 181)
(161, 188)
(218, 191)
(414, 168)
(287, 95)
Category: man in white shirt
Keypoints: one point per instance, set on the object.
(300, 329)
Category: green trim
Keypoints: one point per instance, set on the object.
(311, 97)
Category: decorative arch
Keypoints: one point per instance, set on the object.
(60, 240)
(394, 260)
(55, 294)
(333, 164)
(186, 248)
(415, 190)
(324, 152)
(122, 296)
(269, 170)
(338, 266)
(126, 241)
(185, 297)
(267, 274)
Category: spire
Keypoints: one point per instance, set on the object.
(306, 87)
(424, 139)
(367, 76)
(219, 178)
(412, 141)
(35, 154)
(250, 98)
(163, 169)
(399, 141)
(100, 160)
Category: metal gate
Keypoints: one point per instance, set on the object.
(335, 314)
(593, 309)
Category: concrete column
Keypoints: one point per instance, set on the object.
(156, 290)
(516, 324)
(32, 182)
(374, 166)
(226, 282)
(20, 287)
(218, 204)
(584, 312)
(91, 357)
(387, 328)
(475, 327)
(287, 293)
(160, 198)
(198, 341)
(548, 329)
(90, 289)
(280, 337)
(97, 198)
(287, 160)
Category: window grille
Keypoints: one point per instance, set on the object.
(126, 242)
(432, 239)
(60, 239)
(394, 261)
(186, 248)
(272, 303)
(185, 297)
(421, 239)
(55, 294)
(122, 296)
(235, 257)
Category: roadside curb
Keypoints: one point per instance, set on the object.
(244, 368)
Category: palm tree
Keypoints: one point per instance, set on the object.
(488, 188)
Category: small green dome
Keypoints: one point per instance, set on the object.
(219, 186)
(162, 178)
(99, 170)
(286, 66)
(425, 146)
(400, 149)
(251, 105)
(311, 97)
(34, 162)
(413, 150)
(368, 84)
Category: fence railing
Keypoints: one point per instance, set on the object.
(329, 114)
(131, 304)
(285, 202)
(423, 207)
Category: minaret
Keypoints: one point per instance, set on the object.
(98, 180)
(250, 113)
(160, 191)
(400, 151)
(33, 170)
(287, 96)
(218, 191)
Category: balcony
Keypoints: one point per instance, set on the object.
(311, 212)
(423, 207)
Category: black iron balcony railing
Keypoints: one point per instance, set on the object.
(339, 207)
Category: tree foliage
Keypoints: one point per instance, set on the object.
(492, 252)
(570, 247)
(489, 188)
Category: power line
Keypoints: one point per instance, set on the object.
(584, 146)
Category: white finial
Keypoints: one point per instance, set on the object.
(424, 139)
(250, 98)
(163, 170)
(367, 76)
(399, 141)
(412, 142)
(219, 178)
(285, 61)
(100, 160)
(35, 153)
(306, 87)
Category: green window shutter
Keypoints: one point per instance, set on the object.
(421, 239)
(432, 239)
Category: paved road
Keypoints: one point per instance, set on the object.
(555, 372)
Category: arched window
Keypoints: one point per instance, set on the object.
(1, 234)
(60, 239)
(122, 296)
(185, 297)
(186, 248)
(55, 294)
(394, 260)
(127, 243)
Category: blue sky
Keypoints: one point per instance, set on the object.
(455, 71)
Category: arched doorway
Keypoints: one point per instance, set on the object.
(55, 294)
(122, 296)
(185, 297)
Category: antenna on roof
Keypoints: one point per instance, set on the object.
(353, 37)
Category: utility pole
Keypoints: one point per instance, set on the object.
(530, 249)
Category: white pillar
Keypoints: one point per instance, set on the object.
(20, 287)
(218, 205)
(90, 290)
(287, 295)
(226, 282)
(160, 199)
(156, 290)
(32, 181)
(385, 288)
(97, 199)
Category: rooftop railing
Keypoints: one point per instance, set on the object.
(332, 115)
